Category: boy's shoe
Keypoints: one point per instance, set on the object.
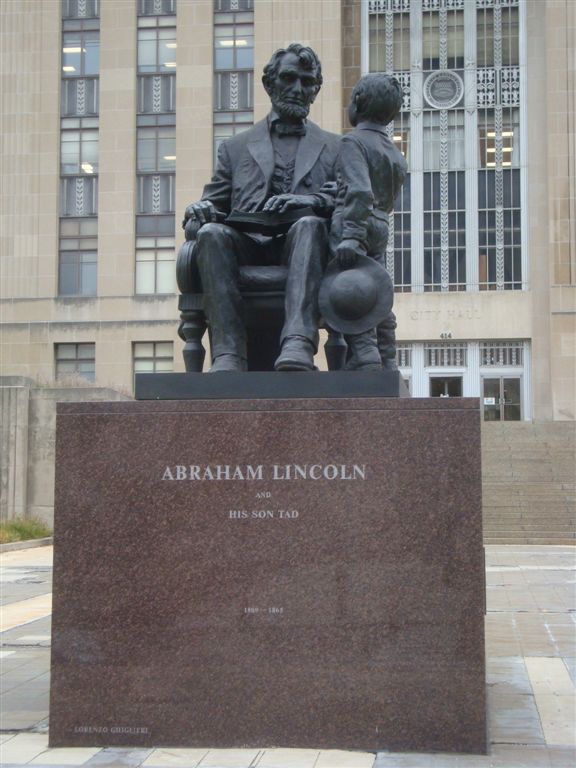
(365, 353)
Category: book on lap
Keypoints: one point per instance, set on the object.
(267, 222)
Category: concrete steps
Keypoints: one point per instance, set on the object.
(529, 482)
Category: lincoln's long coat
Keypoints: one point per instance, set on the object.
(245, 166)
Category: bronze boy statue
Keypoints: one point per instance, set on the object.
(370, 173)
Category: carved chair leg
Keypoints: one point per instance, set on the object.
(191, 331)
(335, 350)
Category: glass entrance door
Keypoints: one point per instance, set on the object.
(502, 398)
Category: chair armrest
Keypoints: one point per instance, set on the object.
(187, 275)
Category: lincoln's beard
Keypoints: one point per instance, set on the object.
(287, 110)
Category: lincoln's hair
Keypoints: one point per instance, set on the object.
(377, 97)
(306, 56)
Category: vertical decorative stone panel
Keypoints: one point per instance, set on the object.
(444, 202)
(157, 94)
(486, 86)
(404, 79)
(156, 194)
(510, 86)
(79, 196)
(81, 96)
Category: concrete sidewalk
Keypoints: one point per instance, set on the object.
(531, 657)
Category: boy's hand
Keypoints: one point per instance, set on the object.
(347, 253)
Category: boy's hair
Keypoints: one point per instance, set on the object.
(376, 97)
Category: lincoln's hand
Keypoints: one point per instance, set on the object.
(347, 253)
(202, 212)
(280, 203)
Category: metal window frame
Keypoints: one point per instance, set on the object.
(154, 358)
(75, 359)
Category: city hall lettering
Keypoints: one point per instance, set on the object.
(209, 472)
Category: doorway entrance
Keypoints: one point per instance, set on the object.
(501, 398)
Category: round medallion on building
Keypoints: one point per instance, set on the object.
(443, 89)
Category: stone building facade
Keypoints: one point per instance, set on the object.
(112, 115)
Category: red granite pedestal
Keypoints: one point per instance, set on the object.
(297, 573)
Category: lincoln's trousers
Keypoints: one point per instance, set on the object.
(221, 250)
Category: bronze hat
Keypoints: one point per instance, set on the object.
(358, 299)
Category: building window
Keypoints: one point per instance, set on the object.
(227, 124)
(77, 273)
(400, 241)
(506, 354)
(499, 230)
(79, 148)
(155, 265)
(156, 194)
(80, 53)
(445, 355)
(153, 356)
(80, 9)
(156, 94)
(79, 196)
(156, 45)
(444, 140)
(443, 39)
(79, 96)
(79, 151)
(233, 41)
(226, 6)
(401, 134)
(444, 231)
(502, 47)
(78, 257)
(156, 149)
(156, 7)
(234, 90)
(389, 39)
(156, 56)
(499, 145)
(155, 225)
(404, 355)
(233, 69)
(76, 360)
(156, 144)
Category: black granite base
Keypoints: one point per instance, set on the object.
(269, 573)
(269, 385)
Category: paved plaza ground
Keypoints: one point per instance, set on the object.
(531, 658)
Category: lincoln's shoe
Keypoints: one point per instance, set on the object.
(389, 364)
(297, 355)
(228, 363)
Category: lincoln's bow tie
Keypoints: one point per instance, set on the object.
(289, 129)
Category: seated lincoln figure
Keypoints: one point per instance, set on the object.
(282, 163)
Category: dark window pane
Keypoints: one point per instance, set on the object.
(147, 50)
(91, 53)
(67, 279)
(88, 277)
(155, 225)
